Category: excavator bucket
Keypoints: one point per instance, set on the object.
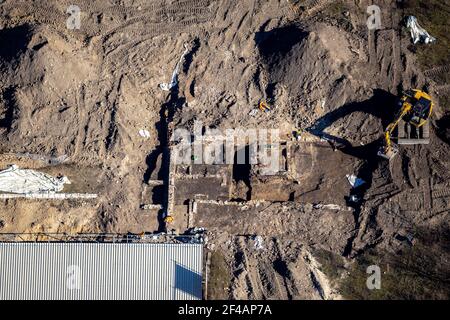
(388, 153)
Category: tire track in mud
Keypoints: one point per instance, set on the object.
(308, 8)
(118, 60)
(441, 169)
(317, 6)
(284, 278)
(184, 14)
(155, 25)
(443, 88)
(120, 54)
(241, 257)
(43, 13)
(318, 278)
(118, 51)
(294, 6)
(434, 72)
(262, 273)
(440, 192)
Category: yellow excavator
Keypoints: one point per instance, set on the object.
(416, 108)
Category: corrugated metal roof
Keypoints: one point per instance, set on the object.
(98, 271)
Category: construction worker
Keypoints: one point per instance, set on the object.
(297, 134)
(264, 107)
(168, 219)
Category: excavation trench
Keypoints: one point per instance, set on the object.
(162, 151)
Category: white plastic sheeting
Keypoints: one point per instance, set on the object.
(26, 181)
(355, 181)
(418, 34)
(259, 243)
(174, 80)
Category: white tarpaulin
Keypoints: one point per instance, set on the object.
(417, 32)
(26, 181)
(174, 80)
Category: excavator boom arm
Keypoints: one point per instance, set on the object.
(416, 107)
(391, 127)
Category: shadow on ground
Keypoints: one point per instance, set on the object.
(382, 105)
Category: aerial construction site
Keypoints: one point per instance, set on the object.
(150, 119)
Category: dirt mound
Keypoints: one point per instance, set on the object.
(41, 89)
(310, 72)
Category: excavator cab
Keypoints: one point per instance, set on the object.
(421, 107)
(411, 123)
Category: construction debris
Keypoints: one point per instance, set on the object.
(418, 34)
(151, 207)
(193, 235)
(355, 181)
(195, 231)
(327, 206)
(174, 80)
(258, 243)
(144, 133)
(25, 181)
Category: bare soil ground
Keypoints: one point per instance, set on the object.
(86, 93)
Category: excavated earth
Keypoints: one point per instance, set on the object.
(86, 94)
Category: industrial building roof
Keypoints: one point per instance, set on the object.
(100, 271)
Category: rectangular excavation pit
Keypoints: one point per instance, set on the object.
(209, 187)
